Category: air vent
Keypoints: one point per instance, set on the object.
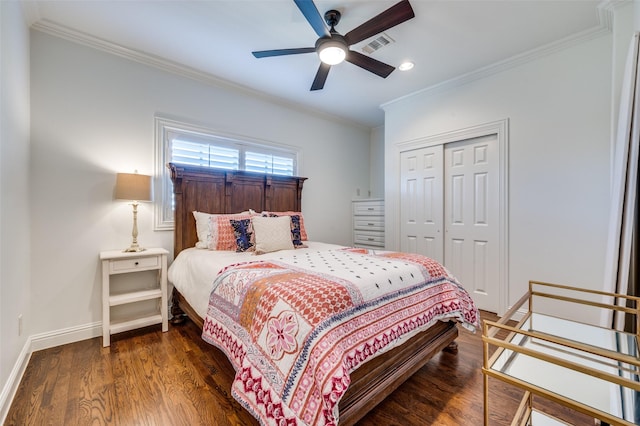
(377, 43)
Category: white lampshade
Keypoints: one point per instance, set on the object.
(133, 187)
(332, 52)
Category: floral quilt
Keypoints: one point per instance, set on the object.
(295, 327)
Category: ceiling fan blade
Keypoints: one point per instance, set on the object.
(310, 12)
(391, 17)
(282, 52)
(372, 65)
(321, 76)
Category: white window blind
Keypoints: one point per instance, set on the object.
(204, 154)
(186, 144)
(268, 163)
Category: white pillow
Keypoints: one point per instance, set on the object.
(203, 229)
(272, 233)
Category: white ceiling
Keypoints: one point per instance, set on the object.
(446, 40)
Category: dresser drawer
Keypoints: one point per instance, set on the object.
(371, 223)
(373, 208)
(375, 239)
(129, 265)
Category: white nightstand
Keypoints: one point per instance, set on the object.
(119, 262)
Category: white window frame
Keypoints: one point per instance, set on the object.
(165, 128)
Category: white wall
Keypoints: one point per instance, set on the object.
(92, 116)
(14, 190)
(558, 108)
(622, 34)
(376, 173)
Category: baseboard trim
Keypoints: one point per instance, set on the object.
(13, 381)
(39, 342)
(64, 336)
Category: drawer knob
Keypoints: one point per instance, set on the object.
(370, 224)
(137, 263)
(370, 239)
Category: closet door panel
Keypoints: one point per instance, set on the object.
(471, 217)
(421, 212)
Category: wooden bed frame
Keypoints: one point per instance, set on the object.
(216, 191)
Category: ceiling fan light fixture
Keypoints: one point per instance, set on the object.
(333, 48)
(332, 52)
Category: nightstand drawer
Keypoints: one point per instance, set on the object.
(128, 265)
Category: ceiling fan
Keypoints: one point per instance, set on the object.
(333, 48)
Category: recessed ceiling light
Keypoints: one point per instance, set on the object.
(405, 66)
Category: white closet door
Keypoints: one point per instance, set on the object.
(421, 212)
(471, 192)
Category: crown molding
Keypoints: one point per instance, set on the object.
(606, 11)
(52, 28)
(31, 12)
(604, 28)
(605, 16)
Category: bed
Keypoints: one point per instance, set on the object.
(365, 382)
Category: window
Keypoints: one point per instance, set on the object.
(187, 144)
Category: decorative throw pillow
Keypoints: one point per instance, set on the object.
(203, 230)
(303, 231)
(222, 233)
(242, 230)
(295, 232)
(272, 233)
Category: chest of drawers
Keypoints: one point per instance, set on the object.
(368, 223)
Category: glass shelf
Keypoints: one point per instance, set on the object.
(589, 368)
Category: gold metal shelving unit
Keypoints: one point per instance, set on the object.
(584, 366)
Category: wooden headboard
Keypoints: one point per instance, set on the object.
(211, 190)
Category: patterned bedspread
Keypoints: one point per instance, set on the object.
(295, 327)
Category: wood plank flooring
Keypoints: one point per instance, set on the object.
(147, 377)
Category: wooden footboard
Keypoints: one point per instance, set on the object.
(376, 379)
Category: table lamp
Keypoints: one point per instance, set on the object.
(135, 188)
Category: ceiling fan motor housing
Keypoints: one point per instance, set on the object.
(333, 39)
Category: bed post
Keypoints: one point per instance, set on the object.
(178, 222)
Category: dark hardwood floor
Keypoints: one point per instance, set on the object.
(148, 377)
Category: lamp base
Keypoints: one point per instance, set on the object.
(133, 249)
